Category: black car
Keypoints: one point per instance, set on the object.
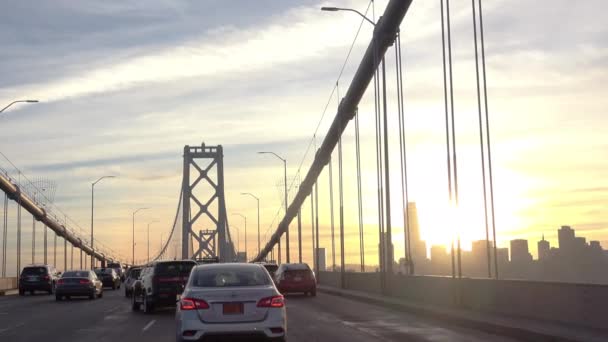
(160, 283)
(108, 277)
(78, 283)
(38, 278)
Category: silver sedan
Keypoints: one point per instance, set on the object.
(232, 301)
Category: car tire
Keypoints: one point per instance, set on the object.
(148, 308)
(126, 293)
(113, 286)
(21, 292)
(58, 298)
(68, 297)
(313, 293)
(100, 295)
(51, 290)
(31, 292)
(134, 303)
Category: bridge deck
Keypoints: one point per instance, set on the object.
(324, 318)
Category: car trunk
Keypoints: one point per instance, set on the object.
(233, 305)
(73, 282)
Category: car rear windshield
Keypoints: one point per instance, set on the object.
(271, 268)
(134, 273)
(75, 274)
(178, 268)
(34, 271)
(230, 277)
(114, 265)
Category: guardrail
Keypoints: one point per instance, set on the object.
(584, 305)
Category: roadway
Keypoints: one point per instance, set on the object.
(324, 318)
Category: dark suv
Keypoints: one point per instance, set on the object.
(160, 283)
(38, 278)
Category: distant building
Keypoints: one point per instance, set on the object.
(502, 255)
(519, 251)
(321, 255)
(438, 254)
(565, 237)
(417, 245)
(544, 249)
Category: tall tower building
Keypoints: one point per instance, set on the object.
(519, 251)
(566, 240)
(418, 246)
(544, 249)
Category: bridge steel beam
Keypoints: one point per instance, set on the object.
(384, 35)
(13, 192)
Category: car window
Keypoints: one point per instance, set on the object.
(174, 268)
(134, 273)
(77, 274)
(34, 271)
(229, 277)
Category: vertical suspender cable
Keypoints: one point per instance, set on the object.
(447, 127)
(18, 236)
(359, 196)
(315, 265)
(404, 187)
(454, 162)
(4, 234)
(491, 181)
(33, 240)
(341, 212)
(331, 215)
(317, 228)
(481, 142)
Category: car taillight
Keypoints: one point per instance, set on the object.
(167, 279)
(46, 277)
(85, 281)
(272, 302)
(193, 304)
(60, 281)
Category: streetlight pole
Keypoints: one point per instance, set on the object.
(285, 190)
(245, 218)
(149, 223)
(92, 212)
(258, 200)
(238, 240)
(18, 101)
(133, 246)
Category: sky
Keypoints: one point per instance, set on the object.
(124, 85)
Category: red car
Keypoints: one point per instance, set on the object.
(296, 278)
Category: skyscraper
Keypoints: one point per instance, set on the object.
(566, 240)
(418, 246)
(544, 249)
(519, 251)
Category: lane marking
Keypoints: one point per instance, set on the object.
(148, 325)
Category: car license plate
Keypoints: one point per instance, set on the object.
(297, 279)
(32, 278)
(233, 308)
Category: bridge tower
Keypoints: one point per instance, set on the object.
(213, 208)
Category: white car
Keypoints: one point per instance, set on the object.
(231, 300)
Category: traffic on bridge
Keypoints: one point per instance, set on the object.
(342, 170)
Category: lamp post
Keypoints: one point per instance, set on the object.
(92, 212)
(245, 218)
(149, 223)
(18, 101)
(133, 247)
(238, 241)
(258, 200)
(285, 189)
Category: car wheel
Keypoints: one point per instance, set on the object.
(21, 292)
(100, 295)
(134, 303)
(113, 286)
(126, 293)
(68, 297)
(148, 308)
(31, 292)
(313, 293)
(58, 298)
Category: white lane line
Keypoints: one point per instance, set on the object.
(13, 327)
(112, 309)
(148, 325)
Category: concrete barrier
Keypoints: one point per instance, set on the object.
(584, 305)
(8, 284)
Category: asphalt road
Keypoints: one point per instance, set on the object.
(324, 318)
